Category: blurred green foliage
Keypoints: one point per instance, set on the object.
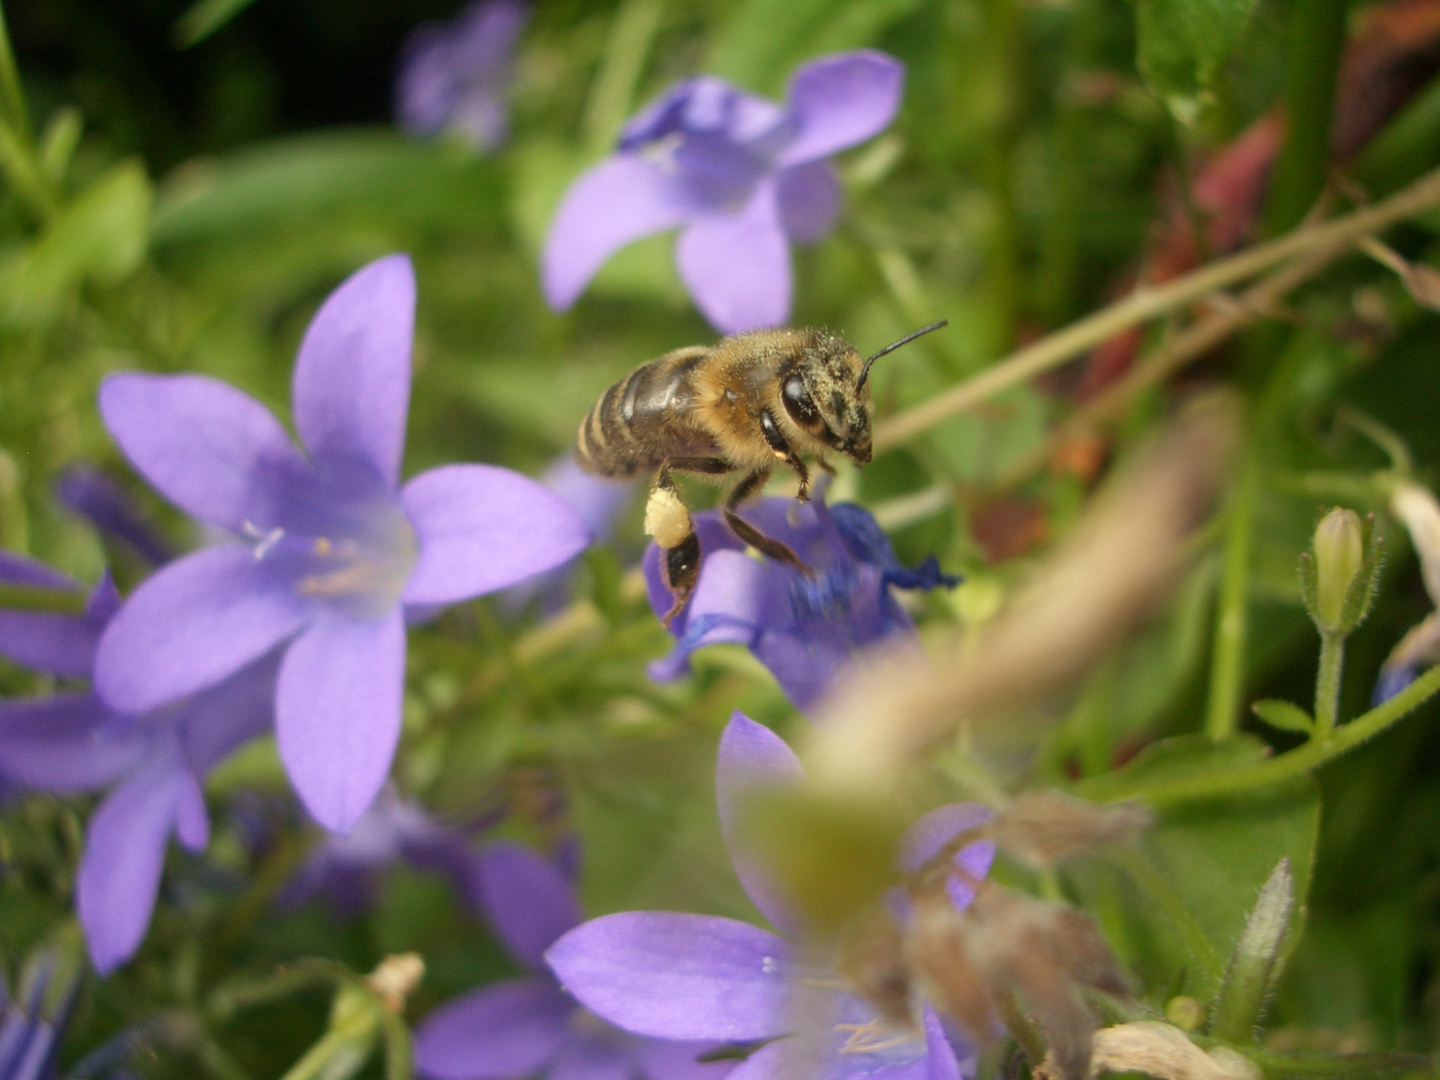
(185, 185)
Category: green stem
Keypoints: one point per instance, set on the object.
(1227, 670)
(17, 159)
(624, 60)
(48, 601)
(1317, 36)
(1327, 682)
(12, 95)
(1287, 766)
(1335, 1064)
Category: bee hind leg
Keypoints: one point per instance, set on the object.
(766, 545)
(668, 520)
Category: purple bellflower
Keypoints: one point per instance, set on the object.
(1418, 510)
(529, 1026)
(454, 76)
(347, 869)
(802, 628)
(739, 175)
(679, 976)
(152, 762)
(326, 549)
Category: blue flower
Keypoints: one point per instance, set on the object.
(803, 628)
(324, 550)
(678, 976)
(454, 76)
(151, 763)
(739, 175)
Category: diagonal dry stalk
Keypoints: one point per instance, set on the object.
(1316, 244)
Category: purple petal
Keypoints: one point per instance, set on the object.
(751, 756)
(529, 901)
(92, 495)
(675, 976)
(203, 444)
(22, 570)
(928, 835)
(809, 198)
(337, 716)
(352, 374)
(124, 852)
(805, 662)
(737, 266)
(668, 1059)
(191, 624)
(840, 101)
(941, 1061)
(67, 742)
(61, 645)
(508, 1029)
(589, 1058)
(481, 528)
(619, 201)
(215, 721)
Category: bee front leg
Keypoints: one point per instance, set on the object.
(766, 545)
(668, 520)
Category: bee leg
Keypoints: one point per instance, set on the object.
(668, 520)
(766, 545)
(785, 452)
(825, 465)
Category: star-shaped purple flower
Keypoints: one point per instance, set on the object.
(740, 176)
(454, 76)
(678, 976)
(804, 629)
(529, 1026)
(326, 548)
(152, 762)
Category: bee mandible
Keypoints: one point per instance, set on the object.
(746, 404)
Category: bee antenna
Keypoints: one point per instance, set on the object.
(865, 371)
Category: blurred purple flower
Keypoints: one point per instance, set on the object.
(678, 976)
(327, 547)
(599, 501)
(31, 1022)
(91, 494)
(804, 629)
(738, 174)
(347, 869)
(1419, 512)
(152, 762)
(454, 76)
(529, 1026)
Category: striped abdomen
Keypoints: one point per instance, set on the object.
(646, 418)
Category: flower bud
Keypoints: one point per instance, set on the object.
(1339, 556)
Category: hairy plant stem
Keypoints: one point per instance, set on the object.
(1227, 669)
(1148, 302)
(1287, 766)
(1327, 682)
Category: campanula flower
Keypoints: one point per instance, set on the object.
(802, 628)
(680, 976)
(529, 1026)
(323, 550)
(347, 869)
(454, 76)
(1419, 512)
(151, 763)
(31, 1021)
(739, 175)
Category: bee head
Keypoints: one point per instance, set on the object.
(824, 392)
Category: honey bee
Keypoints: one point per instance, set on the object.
(746, 404)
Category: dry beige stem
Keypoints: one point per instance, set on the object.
(1045, 828)
(1162, 1051)
(395, 979)
(1117, 565)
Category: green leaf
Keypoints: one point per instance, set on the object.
(1176, 905)
(1284, 715)
(1182, 46)
(204, 18)
(763, 41)
(101, 236)
(1253, 966)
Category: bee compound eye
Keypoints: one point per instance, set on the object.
(797, 400)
